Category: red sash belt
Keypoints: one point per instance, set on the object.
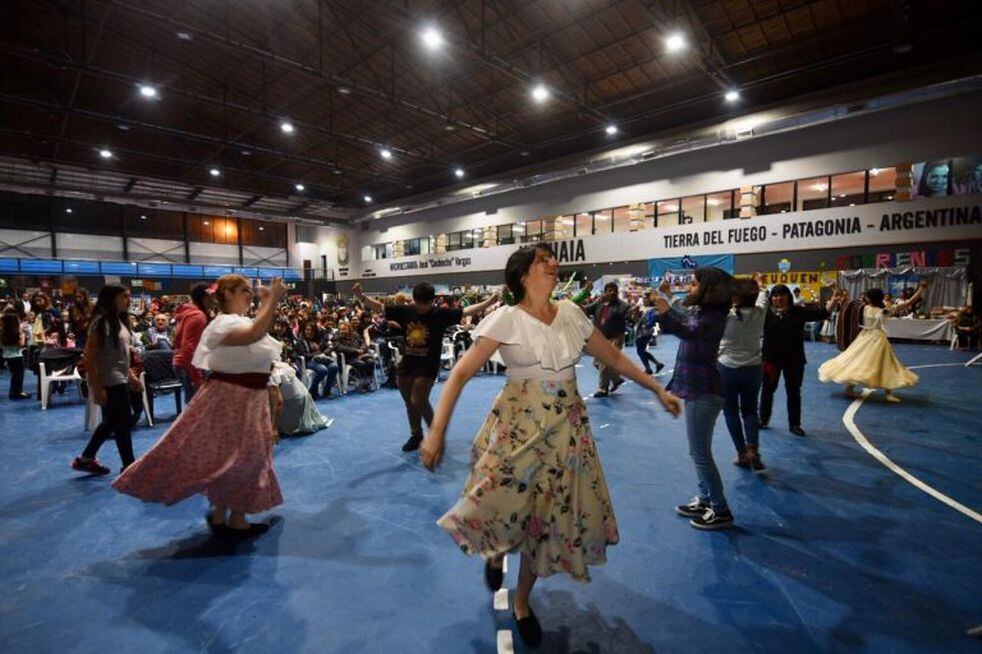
(254, 380)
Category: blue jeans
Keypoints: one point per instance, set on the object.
(185, 378)
(322, 369)
(700, 418)
(741, 387)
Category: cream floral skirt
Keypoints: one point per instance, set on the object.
(536, 484)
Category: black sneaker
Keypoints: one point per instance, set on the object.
(756, 464)
(797, 430)
(493, 577)
(529, 629)
(762, 424)
(615, 385)
(601, 394)
(413, 443)
(696, 507)
(658, 367)
(711, 520)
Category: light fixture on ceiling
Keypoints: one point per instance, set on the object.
(540, 93)
(431, 38)
(262, 229)
(889, 197)
(299, 187)
(148, 91)
(385, 153)
(611, 129)
(183, 36)
(143, 216)
(68, 210)
(874, 171)
(287, 127)
(367, 199)
(819, 187)
(675, 42)
(459, 173)
(214, 172)
(205, 222)
(732, 95)
(344, 90)
(106, 154)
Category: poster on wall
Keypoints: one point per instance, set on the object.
(680, 271)
(932, 179)
(806, 286)
(966, 175)
(899, 283)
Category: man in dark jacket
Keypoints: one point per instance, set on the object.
(784, 352)
(609, 315)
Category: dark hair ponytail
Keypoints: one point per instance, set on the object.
(105, 316)
(714, 289)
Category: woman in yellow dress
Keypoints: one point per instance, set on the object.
(870, 360)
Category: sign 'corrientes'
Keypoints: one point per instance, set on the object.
(927, 220)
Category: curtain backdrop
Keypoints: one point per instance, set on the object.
(947, 287)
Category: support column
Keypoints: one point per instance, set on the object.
(905, 182)
(635, 213)
(748, 201)
(440, 247)
(553, 229)
(398, 249)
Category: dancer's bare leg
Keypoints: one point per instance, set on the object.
(526, 580)
(216, 515)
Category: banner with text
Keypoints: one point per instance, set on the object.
(888, 223)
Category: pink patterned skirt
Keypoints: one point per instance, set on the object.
(220, 446)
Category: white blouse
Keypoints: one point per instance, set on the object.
(530, 348)
(234, 359)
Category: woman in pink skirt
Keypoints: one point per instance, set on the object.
(222, 444)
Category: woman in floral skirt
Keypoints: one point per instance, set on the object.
(536, 484)
(221, 446)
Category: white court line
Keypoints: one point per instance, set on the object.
(848, 419)
(501, 599)
(505, 644)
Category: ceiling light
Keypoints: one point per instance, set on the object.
(68, 210)
(143, 216)
(148, 91)
(105, 154)
(299, 187)
(262, 229)
(889, 197)
(338, 171)
(459, 172)
(675, 42)
(367, 199)
(732, 95)
(385, 153)
(287, 127)
(842, 195)
(540, 93)
(344, 90)
(874, 171)
(819, 187)
(431, 38)
(852, 204)
(611, 129)
(206, 222)
(123, 128)
(184, 36)
(246, 153)
(214, 172)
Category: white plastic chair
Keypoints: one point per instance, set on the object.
(45, 380)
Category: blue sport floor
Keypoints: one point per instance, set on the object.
(833, 552)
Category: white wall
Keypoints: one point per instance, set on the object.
(308, 242)
(155, 249)
(14, 243)
(214, 253)
(88, 246)
(253, 255)
(930, 130)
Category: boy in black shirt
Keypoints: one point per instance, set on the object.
(423, 325)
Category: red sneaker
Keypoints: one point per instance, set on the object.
(91, 466)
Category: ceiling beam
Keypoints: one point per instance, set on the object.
(193, 195)
(251, 201)
(130, 184)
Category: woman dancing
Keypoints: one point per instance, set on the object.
(697, 380)
(870, 359)
(222, 444)
(536, 485)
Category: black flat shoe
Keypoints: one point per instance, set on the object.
(412, 444)
(797, 430)
(218, 529)
(255, 529)
(493, 577)
(529, 629)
